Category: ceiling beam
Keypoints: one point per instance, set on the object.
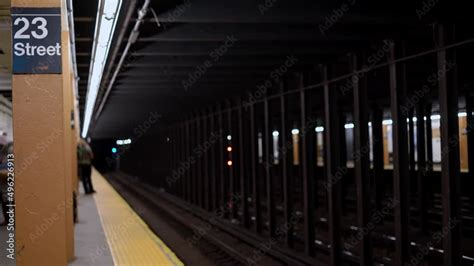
(283, 11)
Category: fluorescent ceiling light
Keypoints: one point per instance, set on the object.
(123, 141)
(319, 129)
(349, 126)
(390, 122)
(103, 36)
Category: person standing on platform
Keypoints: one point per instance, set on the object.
(84, 159)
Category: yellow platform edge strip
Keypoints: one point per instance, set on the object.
(137, 245)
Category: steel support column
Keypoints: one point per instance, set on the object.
(400, 157)
(189, 175)
(198, 157)
(421, 173)
(195, 168)
(177, 160)
(308, 207)
(213, 163)
(450, 163)
(284, 154)
(182, 178)
(429, 153)
(345, 182)
(411, 140)
(231, 168)
(429, 140)
(174, 157)
(470, 139)
(222, 160)
(242, 167)
(377, 143)
(206, 145)
(255, 183)
(333, 167)
(267, 165)
(361, 163)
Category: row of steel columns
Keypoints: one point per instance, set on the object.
(199, 146)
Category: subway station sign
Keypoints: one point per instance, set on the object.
(36, 34)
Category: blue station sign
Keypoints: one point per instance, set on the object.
(36, 34)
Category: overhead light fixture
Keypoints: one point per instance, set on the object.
(123, 141)
(104, 33)
(349, 126)
(319, 129)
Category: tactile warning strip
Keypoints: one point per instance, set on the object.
(130, 240)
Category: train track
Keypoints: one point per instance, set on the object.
(217, 245)
(224, 243)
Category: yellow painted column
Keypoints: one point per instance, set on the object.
(39, 140)
(68, 175)
(74, 139)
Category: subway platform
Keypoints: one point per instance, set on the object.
(238, 132)
(110, 232)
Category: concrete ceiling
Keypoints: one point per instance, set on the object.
(173, 49)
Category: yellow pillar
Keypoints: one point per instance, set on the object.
(68, 156)
(39, 146)
(74, 138)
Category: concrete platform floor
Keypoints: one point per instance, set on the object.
(90, 244)
(91, 247)
(110, 232)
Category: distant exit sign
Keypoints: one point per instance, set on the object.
(36, 43)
